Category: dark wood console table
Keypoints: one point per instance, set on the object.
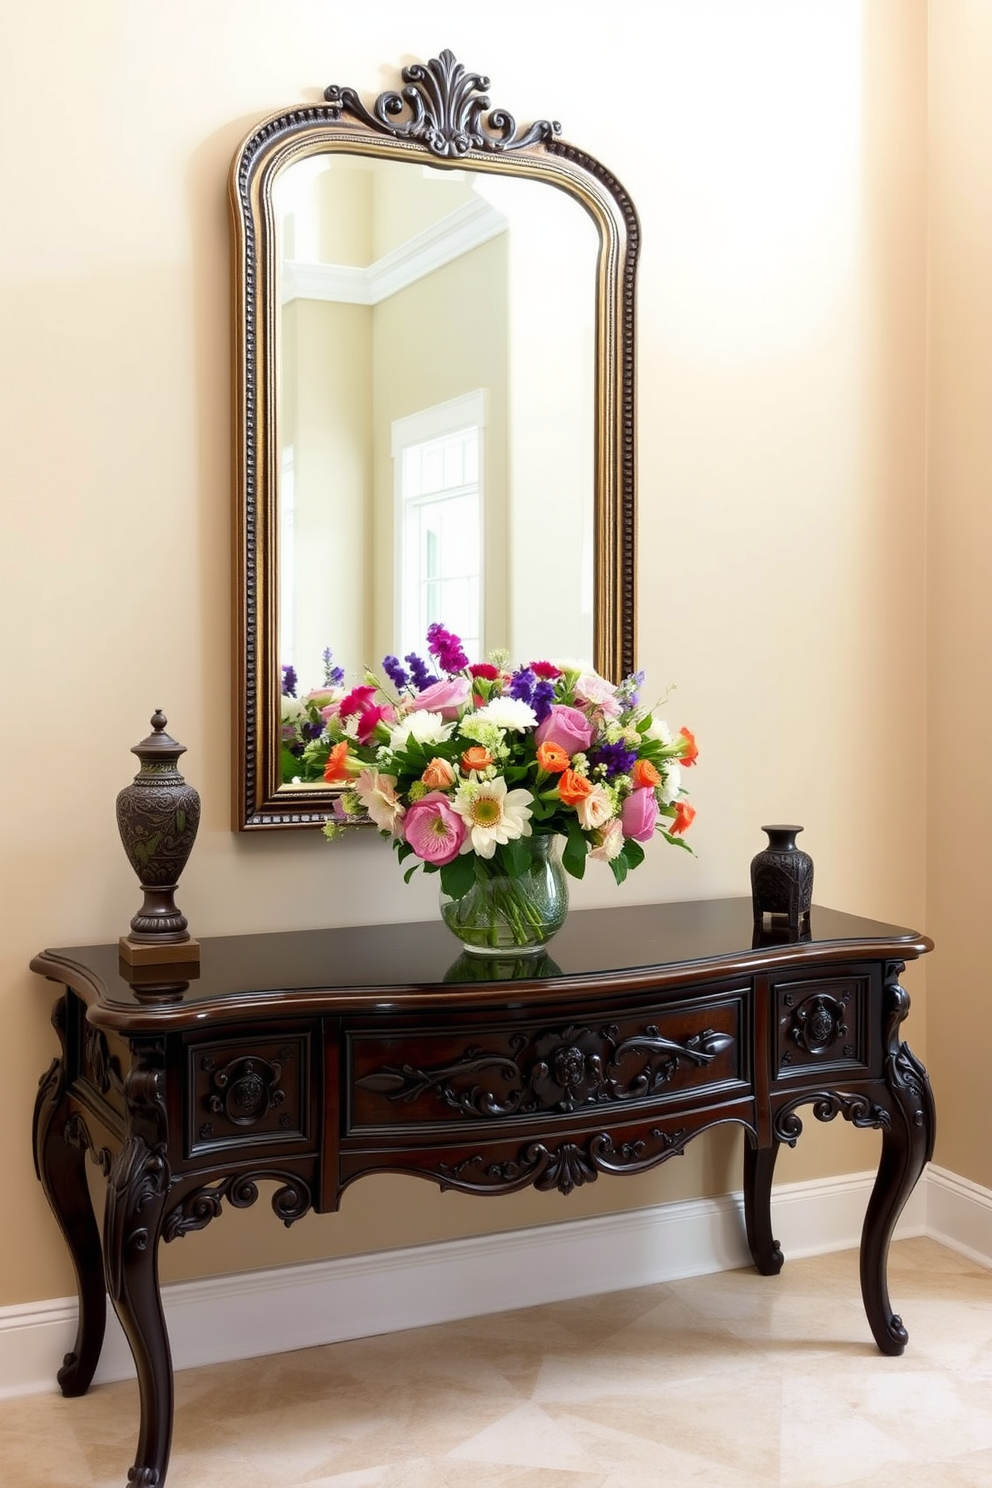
(315, 1057)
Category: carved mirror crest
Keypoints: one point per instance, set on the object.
(434, 407)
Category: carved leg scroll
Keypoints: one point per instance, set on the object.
(60, 1164)
(137, 1192)
(907, 1146)
(759, 1167)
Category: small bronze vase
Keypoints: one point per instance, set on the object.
(157, 817)
(782, 879)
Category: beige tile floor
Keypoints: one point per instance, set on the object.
(727, 1381)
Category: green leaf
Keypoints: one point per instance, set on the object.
(573, 858)
(678, 842)
(516, 857)
(619, 867)
(633, 852)
(458, 876)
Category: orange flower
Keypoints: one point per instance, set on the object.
(439, 775)
(552, 758)
(476, 758)
(690, 754)
(644, 773)
(336, 769)
(684, 815)
(573, 788)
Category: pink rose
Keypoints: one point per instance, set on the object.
(433, 829)
(447, 698)
(566, 727)
(639, 814)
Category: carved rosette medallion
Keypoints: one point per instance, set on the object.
(560, 1070)
(819, 1022)
(247, 1088)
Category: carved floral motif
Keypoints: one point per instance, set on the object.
(290, 1201)
(565, 1167)
(561, 1070)
(445, 105)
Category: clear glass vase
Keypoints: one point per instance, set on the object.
(516, 915)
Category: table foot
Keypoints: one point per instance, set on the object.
(759, 1167)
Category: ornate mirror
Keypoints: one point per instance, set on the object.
(434, 407)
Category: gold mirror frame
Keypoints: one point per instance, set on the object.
(442, 117)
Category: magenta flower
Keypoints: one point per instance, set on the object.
(357, 699)
(433, 829)
(566, 727)
(639, 813)
(369, 718)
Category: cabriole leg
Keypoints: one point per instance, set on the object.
(61, 1167)
(759, 1168)
(907, 1146)
(136, 1195)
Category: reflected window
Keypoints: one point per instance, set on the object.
(439, 465)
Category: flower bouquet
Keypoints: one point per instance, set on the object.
(481, 772)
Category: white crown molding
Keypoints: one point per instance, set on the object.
(468, 227)
(241, 1316)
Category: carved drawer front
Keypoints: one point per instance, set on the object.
(821, 1023)
(247, 1090)
(431, 1078)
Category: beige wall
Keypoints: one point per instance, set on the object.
(777, 155)
(959, 544)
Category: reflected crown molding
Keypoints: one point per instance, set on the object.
(468, 227)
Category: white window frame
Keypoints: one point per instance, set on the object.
(471, 410)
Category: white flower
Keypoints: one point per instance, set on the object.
(609, 841)
(594, 809)
(492, 814)
(377, 794)
(671, 782)
(508, 713)
(425, 728)
(658, 731)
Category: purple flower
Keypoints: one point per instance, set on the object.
(612, 759)
(419, 671)
(333, 675)
(395, 671)
(543, 699)
(628, 692)
(446, 648)
(289, 681)
(522, 685)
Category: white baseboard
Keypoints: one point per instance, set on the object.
(959, 1214)
(261, 1312)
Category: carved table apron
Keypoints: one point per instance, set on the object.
(314, 1057)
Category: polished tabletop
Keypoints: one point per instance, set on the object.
(369, 963)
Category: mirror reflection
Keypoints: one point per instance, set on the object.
(435, 413)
